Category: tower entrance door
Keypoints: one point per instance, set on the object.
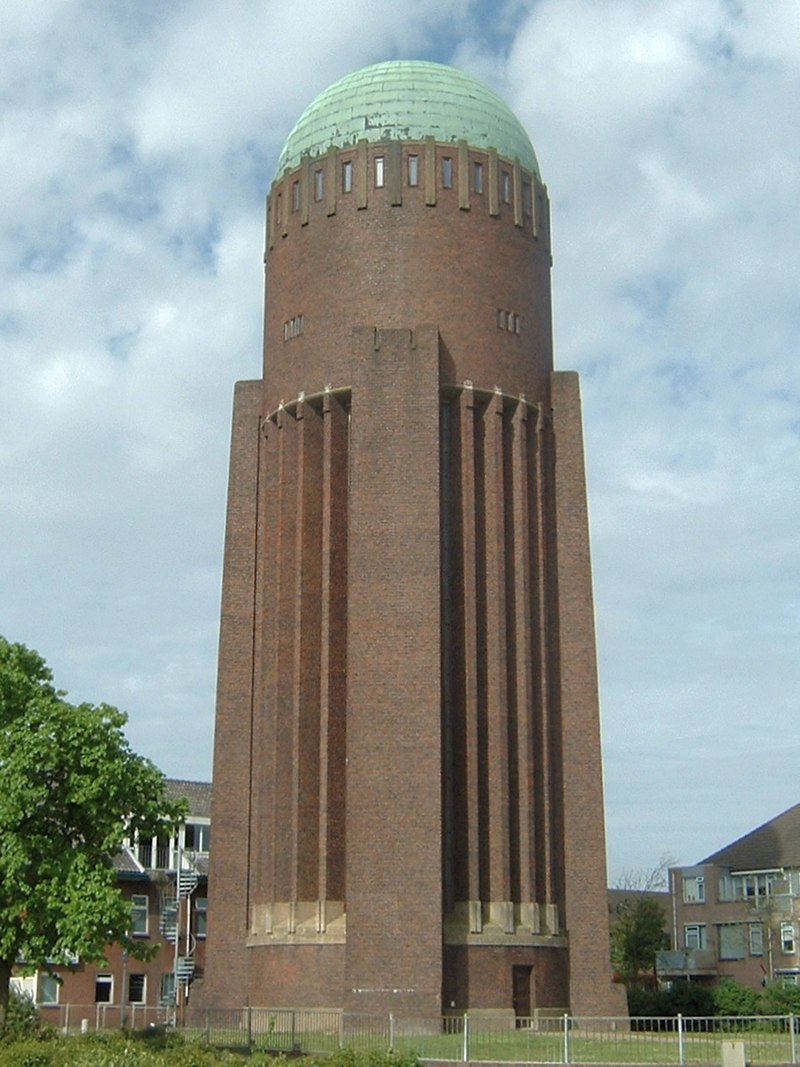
(521, 992)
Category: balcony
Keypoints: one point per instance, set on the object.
(686, 963)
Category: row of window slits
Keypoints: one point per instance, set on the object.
(508, 321)
(413, 177)
(293, 327)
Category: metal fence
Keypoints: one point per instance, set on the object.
(565, 1039)
(80, 1018)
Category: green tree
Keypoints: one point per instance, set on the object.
(71, 789)
(637, 934)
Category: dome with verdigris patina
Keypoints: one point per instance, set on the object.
(408, 100)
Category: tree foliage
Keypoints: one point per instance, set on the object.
(637, 934)
(72, 789)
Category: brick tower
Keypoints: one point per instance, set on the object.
(408, 810)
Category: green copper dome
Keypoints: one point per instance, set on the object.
(408, 100)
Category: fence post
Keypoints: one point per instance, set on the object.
(565, 1052)
(792, 1024)
(249, 1011)
(208, 1028)
(391, 1031)
(681, 1050)
(465, 1043)
(341, 1029)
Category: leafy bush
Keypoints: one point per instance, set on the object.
(781, 1000)
(22, 1018)
(164, 1049)
(689, 998)
(731, 998)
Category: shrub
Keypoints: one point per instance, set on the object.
(731, 998)
(22, 1018)
(781, 1000)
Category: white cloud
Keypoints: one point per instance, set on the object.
(138, 144)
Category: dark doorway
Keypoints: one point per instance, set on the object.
(521, 992)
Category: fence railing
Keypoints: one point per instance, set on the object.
(565, 1039)
(685, 1041)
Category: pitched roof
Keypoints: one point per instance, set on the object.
(196, 794)
(775, 844)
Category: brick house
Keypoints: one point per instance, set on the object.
(126, 991)
(736, 914)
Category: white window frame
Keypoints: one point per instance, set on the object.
(477, 176)
(787, 939)
(694, 889)
(200, 917)
(694, 932)
(47, 989)
(347, 176)
(755, 939)
(131, 977)
(380, 172)
(104, 981)
(142, 909)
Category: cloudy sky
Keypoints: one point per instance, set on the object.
(137, 143)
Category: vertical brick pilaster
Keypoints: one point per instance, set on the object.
(524, 805)
(496, 754)
(333, 638)
(469, 415)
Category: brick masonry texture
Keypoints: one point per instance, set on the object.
(407, 782)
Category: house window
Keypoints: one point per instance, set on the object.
(447, 172)
(200, 916)
(694, 889)
(787, 938)
(278, 212)
(755, 887)
(168, 988)
(694, 936)
(347, 176)
(505, 186)
(295, 196)
(413, 170)
(198, 835)
(104, 989)
(756, 939)
(319, 184)
(727, 887)
(136, 989)
(379, 172)
(139, 913)
(477, 177)
(731, 941)
(48, 989)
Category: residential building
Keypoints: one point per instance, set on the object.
(165, 879)
(736, 914)
(407, 774)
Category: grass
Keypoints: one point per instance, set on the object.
(622, 1046)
